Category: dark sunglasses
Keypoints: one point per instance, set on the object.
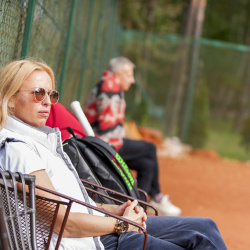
(39, 94)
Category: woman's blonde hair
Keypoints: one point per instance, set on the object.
(12, 77)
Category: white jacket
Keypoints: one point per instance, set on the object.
(26, 149)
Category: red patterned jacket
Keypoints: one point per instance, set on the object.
(105, 110)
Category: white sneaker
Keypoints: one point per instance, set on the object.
(165, 207)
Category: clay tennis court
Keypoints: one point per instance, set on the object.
(203, 184)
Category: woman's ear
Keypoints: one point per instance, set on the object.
(11, 105)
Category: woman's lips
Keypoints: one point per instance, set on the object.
(44, 113)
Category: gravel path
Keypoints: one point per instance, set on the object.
(203, 184)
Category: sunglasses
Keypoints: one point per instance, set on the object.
(39, 94)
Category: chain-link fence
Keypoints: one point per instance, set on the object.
(76, 38)
(191, 88)
(184, 86)
(12, 20)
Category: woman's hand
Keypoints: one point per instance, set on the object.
(121, 209)
(136, 214)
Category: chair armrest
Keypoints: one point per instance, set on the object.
(96, 186)
(144, 193)
(71, 200)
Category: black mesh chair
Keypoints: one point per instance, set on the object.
(17, 211)
(21, 227)
(28, 220)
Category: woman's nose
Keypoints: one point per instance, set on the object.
(46, 100)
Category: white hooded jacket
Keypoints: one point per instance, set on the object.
(26, 149)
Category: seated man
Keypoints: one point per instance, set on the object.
(105, 110)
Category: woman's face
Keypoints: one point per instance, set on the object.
(26, 107)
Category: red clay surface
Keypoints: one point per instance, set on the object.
(205, 185)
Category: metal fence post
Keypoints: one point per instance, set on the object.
(86, 43)
(105, 58)
(28, 28)
(115, 29)
(191, 90)
(98, 42)
(102, 60)
(68, 42)
(200, 9)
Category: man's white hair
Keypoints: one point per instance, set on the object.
(117, 64)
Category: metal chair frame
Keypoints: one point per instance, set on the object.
(71, 200)
(21, 225)
(18, 214)
(94, 191)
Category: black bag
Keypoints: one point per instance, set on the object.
(98, 162)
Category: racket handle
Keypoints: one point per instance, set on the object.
(77, 109)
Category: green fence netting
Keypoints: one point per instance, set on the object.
(12, 21)
(188, 86)
(75, 37)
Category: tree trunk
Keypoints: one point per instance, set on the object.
(177, 85)
(199, 6)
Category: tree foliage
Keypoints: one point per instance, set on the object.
(222, 67)
(226, 20)
(152, 15)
